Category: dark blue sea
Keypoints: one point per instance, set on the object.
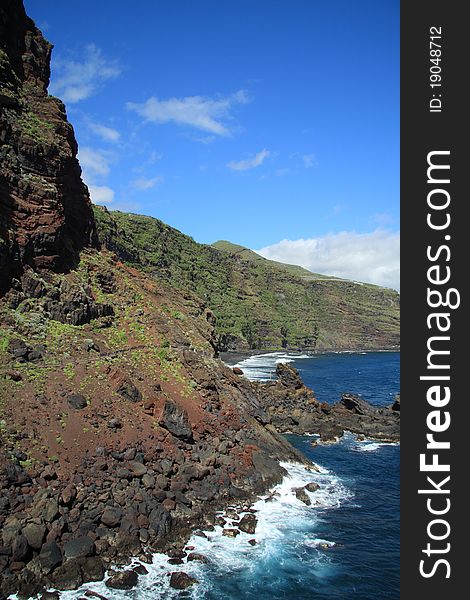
(345, 545)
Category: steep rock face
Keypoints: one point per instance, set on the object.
(45, 209)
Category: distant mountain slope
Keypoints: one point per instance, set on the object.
(248, 254)
(259, 304)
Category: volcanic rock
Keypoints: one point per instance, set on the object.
(124, 580)
(45, 208)
(80, 547)
(50, 556)
(302, 495)
(181, 581)
(248, 523)
(175, 420)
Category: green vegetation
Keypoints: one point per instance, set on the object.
(69, 371)
(258, 303)
(37, 129)
(4, 340)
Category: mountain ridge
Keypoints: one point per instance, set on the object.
(249, 254)
(259, 304)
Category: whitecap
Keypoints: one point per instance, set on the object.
(319, 543)
(262, 367)
(368, 446)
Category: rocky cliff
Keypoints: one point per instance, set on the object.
(120, 429)
(45, 210)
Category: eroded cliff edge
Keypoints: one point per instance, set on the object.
(45, 209)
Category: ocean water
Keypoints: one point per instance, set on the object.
(345, 545)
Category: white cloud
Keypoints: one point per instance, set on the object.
(309, 160)
(93, 162)
(144, 183)
(101, 194)
(203, 113)
(154, 157)
(78, 80)
(249, 163)
(108, 134)
(370, 257)
(207, 139)
(383, 219)
(95, 169)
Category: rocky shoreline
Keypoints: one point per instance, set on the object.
(124, 504)
(69, 534)
(293, 408)
(232, 358)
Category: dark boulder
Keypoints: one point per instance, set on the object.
(34, 533)
(19, 349)
(50, 556)
(355, 404)
(127, 544)
(248, 523)
(80, 547)
(124, 580)
(77, 401)
(129, 391)
(181, 581)
(50, 596)
(159, 522)
(111, 516)
(396, 404)
(137, 468)
(312, 487)
(230, 532)
(175, 420)
(92, 569)
(140, 569)
(302, 495)
(68, 576)
(197, 557)
(289, 376)
(19, 548)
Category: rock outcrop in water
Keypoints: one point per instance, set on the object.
(45, 209)
(293, 407)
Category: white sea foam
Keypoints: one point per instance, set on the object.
(319, 543)
(282, 519)
(262, 367)
(369, 446)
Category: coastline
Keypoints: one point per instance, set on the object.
(255, 522)
(200, 527)
(231, 358)
(208, 556)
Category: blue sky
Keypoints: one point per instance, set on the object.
(273, 124)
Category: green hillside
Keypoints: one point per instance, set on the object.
(259, 303)
(248, 254)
